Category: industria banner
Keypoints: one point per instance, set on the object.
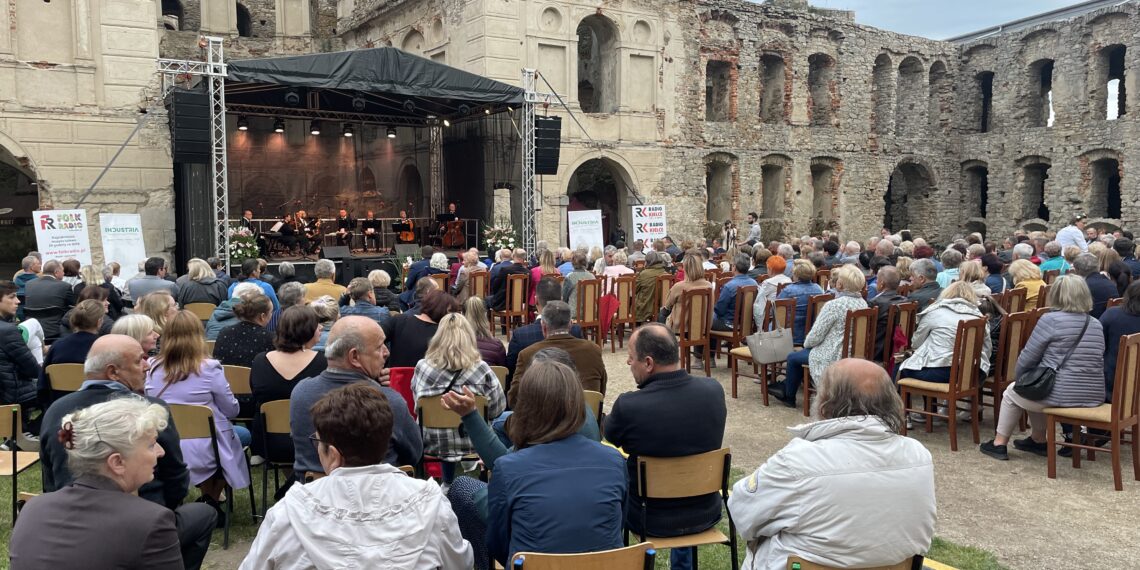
(62, 235)
(122, 240)
(648, 224)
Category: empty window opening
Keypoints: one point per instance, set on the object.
(718, 91)
(772, 89)
(911, 105)
(718, 188)
(244, 22)
(1040, 100)
(822, 198)
(172, 15)
(908, 191)
(1034, 177)
(1104, 195)
(597, 65)
(772, 189)
(821, 89)
(977, 193)
(882, 96)
(986, 90)
(1115, 98)
(941, 98)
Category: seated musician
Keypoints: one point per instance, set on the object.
(345, 227)
(370, 226)
(444, 221)
(310, 231)
(246, 222)
(289, 236)
(407, 235)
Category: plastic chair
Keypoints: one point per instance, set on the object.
(594, 400)
(636, 557)
(238, 378)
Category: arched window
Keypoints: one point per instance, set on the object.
(911, 109)
(822, 90)
(1104, 193)
(941, 98)
(597, 65)
(1039, 112)
(1034, 174)
(773, 95)
(975, 188)
(883, 96)
(172, 15)
(1110, 82)
(244, 22)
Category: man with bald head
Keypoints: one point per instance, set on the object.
(116, 366)
(821, 497)
(355, 352)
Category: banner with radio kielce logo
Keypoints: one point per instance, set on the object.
(62, 235)
(648, 224)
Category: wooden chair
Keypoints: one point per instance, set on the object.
(441, 280)
(1116, 417)
(238, 378)
(1015, 331)
(275, 416)
(964, 383)
(197, 422)
(594, 401)
(638, 265)
(913, 563)
(902, 315)
(815, 304)
(664, 285)
(201, 310)
(589, 317)
(822, 277)
(1043, 297)
(742, 321)
(711, 275)
(719, 284)
(696, 321)
(516, 308)
(1050, 276)
(779, 314)
(501, 373)
(64, 379)
(480, 284)
(623, 289)
(679, 478)
(635, 557)
(1115, 302)
(14, 462)
(431, 414)
(858, 342)
(904, 290)
(1014, 300)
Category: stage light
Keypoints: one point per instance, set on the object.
(243, 123)
(315, 128)
(348, 130)
(487, 111)
(279, 126)
(446, 123)
(391, 132)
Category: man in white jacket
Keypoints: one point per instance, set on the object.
(365, 513)
(848, 491)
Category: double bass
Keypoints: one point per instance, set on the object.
(453, 234)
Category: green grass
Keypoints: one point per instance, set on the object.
(242, 528)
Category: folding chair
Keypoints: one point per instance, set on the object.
(964, 383)
(197, 422)
(275, 416)
(696, 322)
(636, 557)
(201, 310)
(14, 462)
(684, 477)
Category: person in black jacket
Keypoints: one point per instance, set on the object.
(672, 414)
(201, 286)
(888, 284)
(119, 365)
(18, 367)
(49, 292)
(518, 266)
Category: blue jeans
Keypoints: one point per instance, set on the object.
(940, 374)
(499, 426)
(681, 558)
(243, 435)
(795, 376)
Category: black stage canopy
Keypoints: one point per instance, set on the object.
(382, 84)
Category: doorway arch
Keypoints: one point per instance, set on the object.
(601, 183)
(410, 192)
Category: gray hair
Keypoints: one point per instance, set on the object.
(28, 262)
(98, 361)
(840, 397)
(1086, 264)
(118, 425)
(555, 355)
(786, 251)
(556, 316)
(290, 294)
(244, 287)
(324, 269)
(337, 347)
(438, 261)
(1022, 251)
(925, 268)
(286, 269)
(1053, 249)
(1070, 293)
(951, 258)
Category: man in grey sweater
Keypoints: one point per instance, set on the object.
(355, 353)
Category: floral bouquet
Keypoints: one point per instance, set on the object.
(243, 244)
(500, 236)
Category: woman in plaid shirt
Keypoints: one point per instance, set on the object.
(453, 360)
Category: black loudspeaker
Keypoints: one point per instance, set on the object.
(547, 143)
(189, 112)
(335, 252)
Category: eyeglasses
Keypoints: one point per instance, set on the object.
(313, 438)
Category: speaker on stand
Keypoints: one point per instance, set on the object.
(547, 143)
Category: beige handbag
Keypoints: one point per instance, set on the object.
(768, 347)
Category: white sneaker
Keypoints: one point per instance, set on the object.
(918, 418)
(28, 441)
(256, 460)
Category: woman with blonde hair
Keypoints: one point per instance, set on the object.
(490, 348)
(160, 306)
(1027, 276)
(101, 277)
(139, 327)
(463, 287)
(973, 273)
(937, 329)
(546, 266)
(202, 285)
(693, 265)
(452, 362)
(903, 265)
(184, 374)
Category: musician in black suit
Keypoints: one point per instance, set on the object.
(441, 222)
(371, 228)
(309, 232)
(246, 222)
(345, 227)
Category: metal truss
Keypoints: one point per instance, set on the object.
(288, 113)
(531, 98)
(435, 157)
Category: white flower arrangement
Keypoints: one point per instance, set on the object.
(243, 245)
(500, 236)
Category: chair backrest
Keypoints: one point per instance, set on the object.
(783, 313)
(639, 556)
(65, 377)
(201, 310)
(1114, 302)
(210, 347)
(623, 288)
(400, 380)
(904, 289)
(681, 477)
(822, 277)
(516, 293)
(743, 317)
(1043, 296)
(966, 365)
(912, 563)
(899, 315)
(859, 333)
(193, 422)
(720, 282)
(780, 288)
(238, 377)
(432, 414)
(480, 283)
(711, 275)
(1051, 275)
(13, 426)
(696, 319)
(638, 265)
(815, 305)
(276, 416)
(664, 284)
(588, 292)
(594, 401)
(440, 280)
(1015, 300)
(1125, 395)
(500, 373)
(1015, 330)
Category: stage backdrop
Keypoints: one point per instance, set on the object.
(122, 239)
(62, 234)
(585, 229)
(648, 223)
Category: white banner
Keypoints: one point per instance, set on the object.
(62, 234)
(585, 229)
(122, 240)
(648, 224)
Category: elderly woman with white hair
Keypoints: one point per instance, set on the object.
(463, 287)
(385, 297)
(139, 327)
(201, 286)
(224, 315)
(112, 451)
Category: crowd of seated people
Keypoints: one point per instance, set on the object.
(330, 351)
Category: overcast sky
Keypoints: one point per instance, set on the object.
(940, 19)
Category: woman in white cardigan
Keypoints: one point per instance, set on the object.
(824, 343)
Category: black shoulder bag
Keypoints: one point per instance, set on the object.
(1037, 384)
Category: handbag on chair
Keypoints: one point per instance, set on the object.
(768, 347)
(1037, 383)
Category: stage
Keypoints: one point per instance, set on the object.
(357, 264)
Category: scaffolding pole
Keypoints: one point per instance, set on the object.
(529, 229)
(435, 159)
